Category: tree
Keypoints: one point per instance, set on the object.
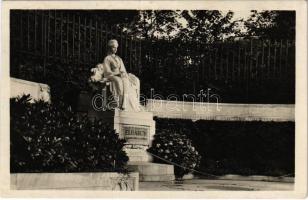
(154, 24)
(206, 25)
(119, 18)
(179, 25)
(271, 25)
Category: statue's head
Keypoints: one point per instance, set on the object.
(113, 45)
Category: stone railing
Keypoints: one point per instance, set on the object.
(221, 111)
(36, 90)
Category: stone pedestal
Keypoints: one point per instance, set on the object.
(138, 129)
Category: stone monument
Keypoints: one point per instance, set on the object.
(121, 108)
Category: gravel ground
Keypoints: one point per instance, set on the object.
(215, 185)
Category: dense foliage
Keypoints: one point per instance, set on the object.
(233, 147)
(48, 138)
(174, 148)
(275, 25)
(204, 26)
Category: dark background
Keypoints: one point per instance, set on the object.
(59, 47)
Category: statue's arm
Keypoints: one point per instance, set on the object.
(107, 69)
(122, 68)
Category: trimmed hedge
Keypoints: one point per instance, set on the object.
(52, 138)
(234, 147)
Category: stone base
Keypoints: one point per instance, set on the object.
(75, 181)
(137, 155)
(137, 128)
(153, 171)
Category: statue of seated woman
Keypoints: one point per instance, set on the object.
(124, 87)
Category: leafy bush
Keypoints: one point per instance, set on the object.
(175, 148)
(48, 138)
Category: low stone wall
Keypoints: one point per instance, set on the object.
(36, 90)
(221, 111)
(75, 181)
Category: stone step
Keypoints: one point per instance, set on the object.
(152, 171)
(156, 178)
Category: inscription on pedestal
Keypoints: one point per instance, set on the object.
(136, 134)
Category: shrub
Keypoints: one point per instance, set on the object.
(175, 148)
(48, 138)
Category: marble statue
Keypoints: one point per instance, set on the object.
(124, 87)
(136, 125)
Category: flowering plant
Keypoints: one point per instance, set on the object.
(174, 148)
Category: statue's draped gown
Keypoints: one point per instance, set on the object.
(126, 88)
